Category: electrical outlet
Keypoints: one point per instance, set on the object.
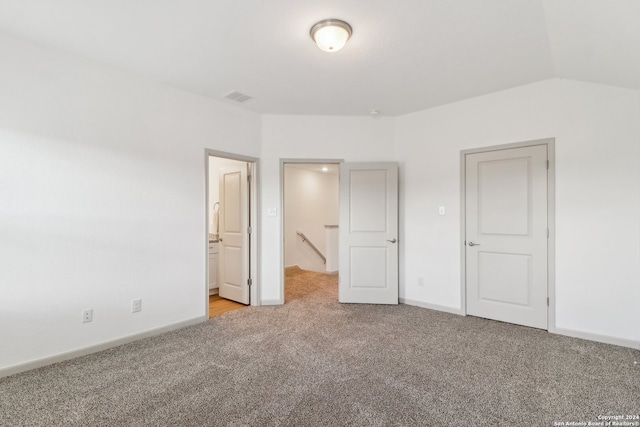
(136, 305)
(441, 210)
(420, 281)
(87, 315)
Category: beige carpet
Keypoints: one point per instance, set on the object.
(301, 284)
(314, 362)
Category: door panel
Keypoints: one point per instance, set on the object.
(232, 200)
(234, 236)
(499, 214)
(504, 277)
(368, 248)
(368, 267)
(368, 200)
(506, 235)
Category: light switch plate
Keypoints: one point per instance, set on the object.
(441, 210)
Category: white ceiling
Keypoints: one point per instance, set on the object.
(404, 55)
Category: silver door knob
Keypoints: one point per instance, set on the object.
(392, 240)
(474, 244)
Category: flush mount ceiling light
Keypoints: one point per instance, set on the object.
(331, 34)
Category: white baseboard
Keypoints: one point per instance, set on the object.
(61, 357)
(431, 306)
(623, 342)
(271, 302)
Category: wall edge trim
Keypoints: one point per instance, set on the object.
(72, 354)
(605, 339)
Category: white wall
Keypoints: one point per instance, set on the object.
(597, 195)
(353, 139)
(102, 181)
(310, 203)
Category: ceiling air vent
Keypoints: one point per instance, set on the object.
(237, 96)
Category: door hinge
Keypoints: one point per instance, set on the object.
(547, 301)
(249, 281)
(547, 164)
(249, 230)
(248, 178)
(547, 232)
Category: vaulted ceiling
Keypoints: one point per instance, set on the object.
(404, 55)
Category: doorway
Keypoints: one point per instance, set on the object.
(231, 211)
(367, 234)
(507, 221)
(310, 222)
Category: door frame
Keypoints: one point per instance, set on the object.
(254, 221)
(283, 161)
(550, 143)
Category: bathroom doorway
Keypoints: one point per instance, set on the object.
(231, 232)
(310, 209)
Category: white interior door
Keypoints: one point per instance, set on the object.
(506, 235)
(368, 241)
(233, 256)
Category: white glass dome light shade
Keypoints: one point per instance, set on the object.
(331, 39)
(331, 34)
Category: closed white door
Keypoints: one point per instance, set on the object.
(368, 233)
(233, 255)
(506, 235)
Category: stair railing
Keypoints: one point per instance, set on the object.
(306, 239)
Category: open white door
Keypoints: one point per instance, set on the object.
(234, 234)
(368, 233)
